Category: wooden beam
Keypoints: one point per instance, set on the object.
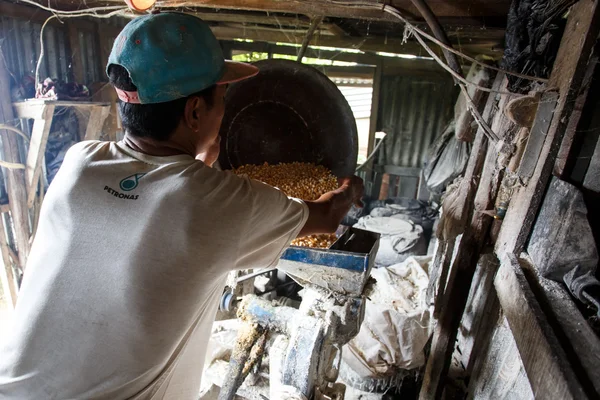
(369, 43)
(298, 21)
(15, 178)
(541, 352)
(574, 54)
(389, 64)
(35, 14)
(375, 99)
(456, 8)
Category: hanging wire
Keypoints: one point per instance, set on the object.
(392, 11)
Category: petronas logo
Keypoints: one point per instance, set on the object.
(131, 182)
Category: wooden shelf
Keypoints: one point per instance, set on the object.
(42, 112)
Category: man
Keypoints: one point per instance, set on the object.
(135, 238)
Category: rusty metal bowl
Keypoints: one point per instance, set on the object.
(288, 112)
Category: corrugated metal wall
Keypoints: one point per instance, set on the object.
(20, 42)
(413, 112)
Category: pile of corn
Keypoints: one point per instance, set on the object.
(300, 180)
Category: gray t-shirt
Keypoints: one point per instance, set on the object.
(126, 271)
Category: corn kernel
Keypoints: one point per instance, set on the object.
(300, 180)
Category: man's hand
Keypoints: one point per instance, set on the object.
(326, 213)
(210, 156)
(354, 187)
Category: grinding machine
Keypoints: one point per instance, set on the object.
(291, 112)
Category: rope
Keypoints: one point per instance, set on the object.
(15, 130)
(7, 164)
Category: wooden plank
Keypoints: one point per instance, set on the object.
(499, 373)
(375, 99)
(457, 8)
(592, 176)
(15, 178)
(540, 350)
(480, 316)
(7, 276)
(564, 154)
(30, 109)
(567, 75)
(27, 108)
(98, 115)
(581, 344)
(537, 135)
(37, 149)
(444, 269)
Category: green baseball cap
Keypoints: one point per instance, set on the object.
(170, 56)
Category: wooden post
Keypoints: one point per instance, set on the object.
(7, 276)
(98, 115)
(37, 148)
(15, 178)
(377, 76)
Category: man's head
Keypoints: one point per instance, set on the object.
(169, 72)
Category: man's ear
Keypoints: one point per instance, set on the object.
(195, 108)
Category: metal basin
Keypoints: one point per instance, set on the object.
(288, 112)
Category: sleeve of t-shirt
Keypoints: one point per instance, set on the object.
(274, 221)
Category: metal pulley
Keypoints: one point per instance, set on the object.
(288, 112)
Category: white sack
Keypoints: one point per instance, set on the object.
(398, 236)
(397, 321)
